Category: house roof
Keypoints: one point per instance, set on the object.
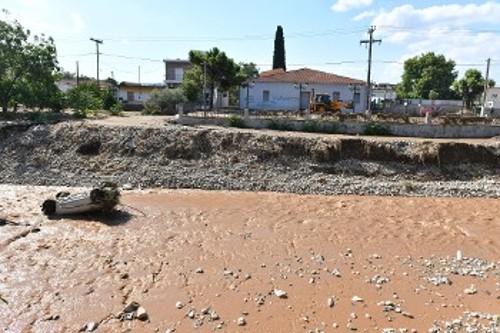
(304, 75)
(149, 85)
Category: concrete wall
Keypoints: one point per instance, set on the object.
(285, 96)
(410, 130)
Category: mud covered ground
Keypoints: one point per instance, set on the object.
(197, 261)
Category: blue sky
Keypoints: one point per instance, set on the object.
(319, 34)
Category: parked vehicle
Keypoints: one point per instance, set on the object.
(323, 104)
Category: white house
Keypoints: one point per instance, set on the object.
(492, 102)
(292, 90)
(130, 92)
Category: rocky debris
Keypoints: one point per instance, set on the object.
(179, 305)
(469, 322)
(471, 290)
(241, 321)
(377, 279)
(280, 293)
(330, 302)
(357, 299)
(216, 159)
(89, 327)
(134, 311)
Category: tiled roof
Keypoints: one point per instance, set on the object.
(134, 84)
(305, 75)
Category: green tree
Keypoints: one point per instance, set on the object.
(164, 101)
(27, 68)
(471, 86)
(426, 73)
(222, 72)
(248, 70)
(279, 49)
(84, 99)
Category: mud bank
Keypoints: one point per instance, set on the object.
(83, 154)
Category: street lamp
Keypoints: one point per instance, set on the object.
(299, 86)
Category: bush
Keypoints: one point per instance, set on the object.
(109, 100)
(235, 121)
(164, 101)
(279, 125)
(316, 126)
(377, 129)
(85, 99)
(117, 109)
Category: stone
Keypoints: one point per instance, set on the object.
(191, 314)
(141, 314)
(471, 290)
(357, 299)
(241, 321)
(330, 302)
(199, 270)
(91, 327)
(131, 307)
(280, 293)
(179, 305)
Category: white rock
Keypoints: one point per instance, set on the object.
(459, 255)
(141, 313)
(357, 299)
(90, 327)
(280, 293)
(191, 313)
(471, 290)
(330, 302)
(179, 305)
(241, 321)
(199, 270)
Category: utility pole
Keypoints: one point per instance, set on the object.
(139, 73)
(97, 42)
(368, 80)
(486, 84)
(77, 73)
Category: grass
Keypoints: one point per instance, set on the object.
(376, 129)
(235, 121)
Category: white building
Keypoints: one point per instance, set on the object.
(492, 102)
(292, 90)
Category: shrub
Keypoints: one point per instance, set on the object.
(315, 126)
(312, 126)
(84, 99)
(117, 109)
(279, 125)
(235, 121)
(373, 128)
(109, 100)
(164, 101)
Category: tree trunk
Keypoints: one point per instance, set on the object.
(5, 105)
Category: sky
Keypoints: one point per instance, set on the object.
(319, 34)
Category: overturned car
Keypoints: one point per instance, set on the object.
(103, 198)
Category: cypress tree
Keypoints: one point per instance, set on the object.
(279, 50)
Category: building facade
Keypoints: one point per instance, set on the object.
(174, 71)
(292, 90)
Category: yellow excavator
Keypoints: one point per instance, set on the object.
(323, 104)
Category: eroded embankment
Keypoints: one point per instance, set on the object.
(77, 154)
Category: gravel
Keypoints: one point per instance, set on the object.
(68, 154)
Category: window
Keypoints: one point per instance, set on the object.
(265, 96)
(179, 74)
(336, 95)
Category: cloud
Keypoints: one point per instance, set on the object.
(364, 15)
(345, 5)
(467, 34)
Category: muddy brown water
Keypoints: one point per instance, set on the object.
(228, 251)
